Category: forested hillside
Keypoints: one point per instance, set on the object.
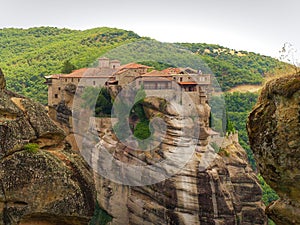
(27, 55)
(233, 68)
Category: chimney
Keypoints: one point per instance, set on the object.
(103, 62)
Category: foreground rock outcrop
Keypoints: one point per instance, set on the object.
(42, 180)
(274, 134)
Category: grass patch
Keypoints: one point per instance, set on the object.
(215, 147)
(31, 147)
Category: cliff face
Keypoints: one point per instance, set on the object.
(274, 134)
(42, 180)
(227, 192)
(209, 189)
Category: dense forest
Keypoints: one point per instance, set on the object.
(27, 55)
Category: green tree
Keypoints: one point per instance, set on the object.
(103, 103)
(269, 195)
(68, 67)
(97, 99)
(142, 131)
(229, 126)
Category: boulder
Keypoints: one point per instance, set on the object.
(274, 135)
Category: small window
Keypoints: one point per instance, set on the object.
(66, 80)
(180, 79)
(72, 80)
(59, 88)
(94, 83)
(78, 79)
(56, 96)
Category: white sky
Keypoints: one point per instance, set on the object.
(261, 26)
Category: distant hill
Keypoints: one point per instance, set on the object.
(233, 68)
(27, 55)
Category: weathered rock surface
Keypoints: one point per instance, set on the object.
(2, 80)
(274, 134)
(222, 191)
(63, 117)
(227, 192)
(45, 184)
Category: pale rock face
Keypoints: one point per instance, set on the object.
(222, 191)
(274, 134)
(47, 185)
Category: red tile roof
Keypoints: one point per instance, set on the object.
(155, 73)
(76, 73)
(134, 66)
(83, 73)
(129, 66)
(172, 70)
(186, 70)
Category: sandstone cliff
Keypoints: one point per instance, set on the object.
(42, 180)
(274, 134)
(209, 189)
(227, 192)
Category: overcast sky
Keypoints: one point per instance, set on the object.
(262, 26)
